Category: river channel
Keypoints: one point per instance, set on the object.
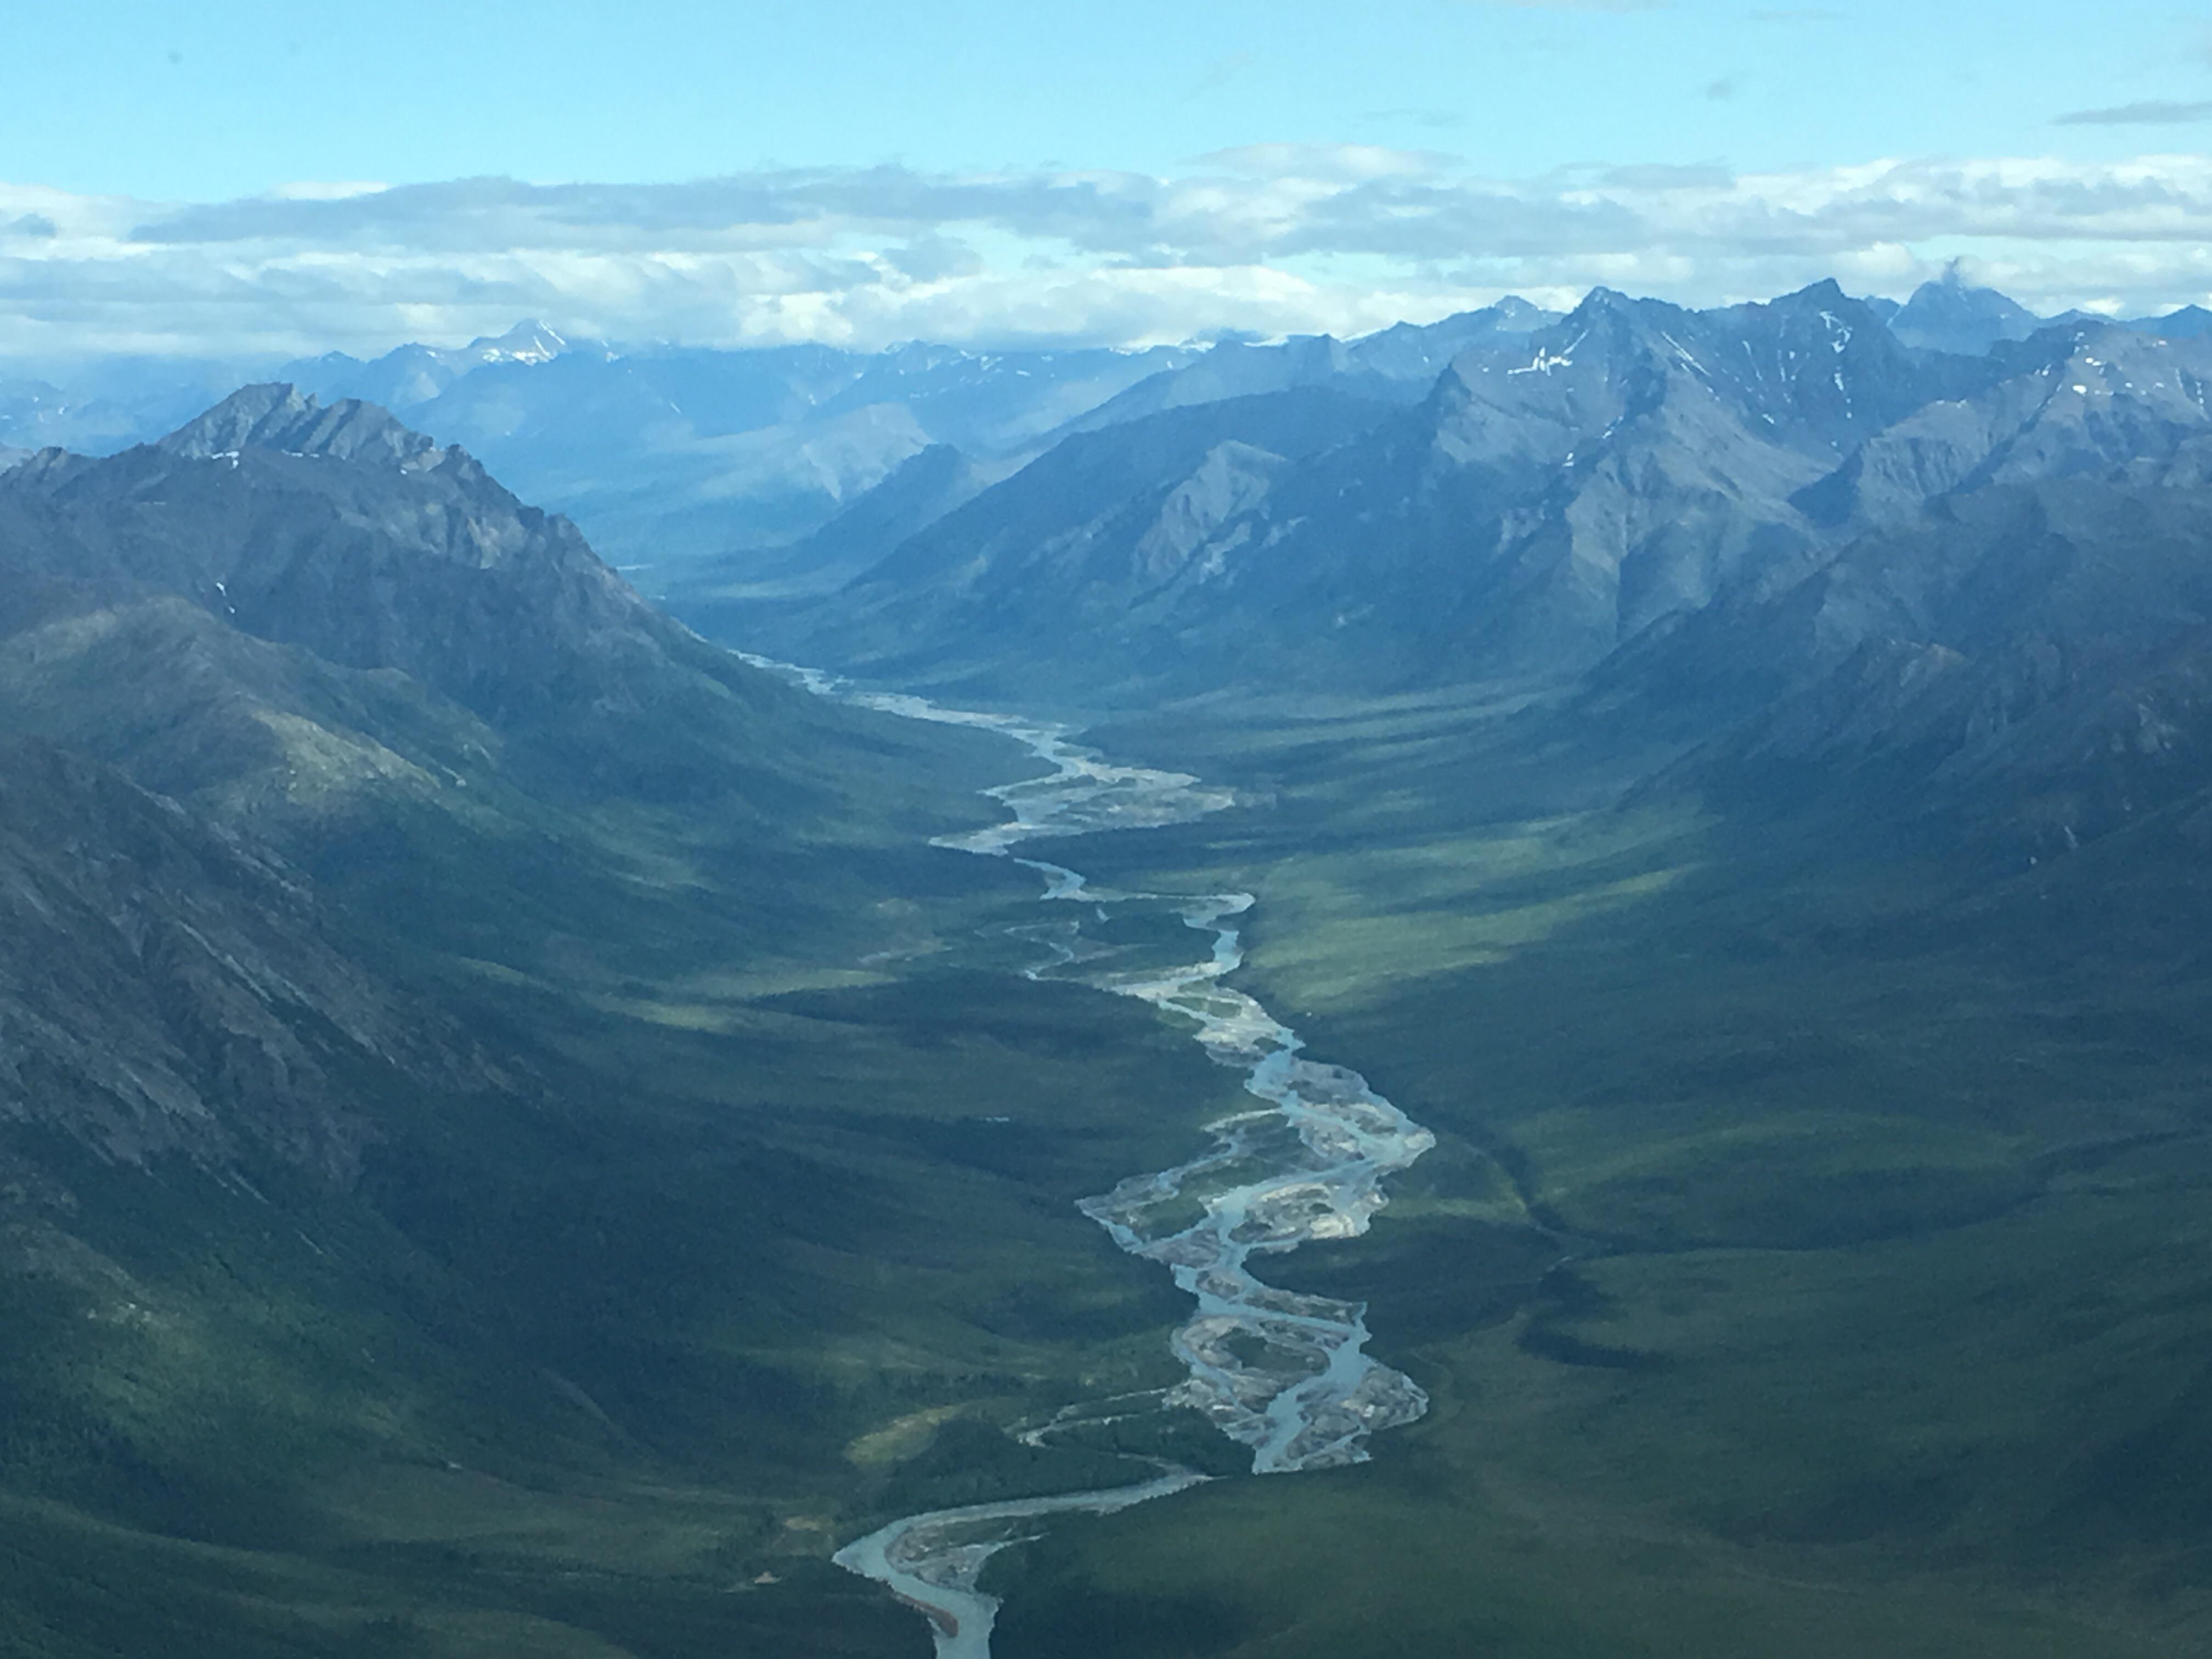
(1286, 1375)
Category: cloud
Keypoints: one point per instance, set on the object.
(1271, 237)
(2154, 113)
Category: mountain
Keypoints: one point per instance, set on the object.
(1099, 531)
(342, 533)
(2073, 399)
(921, 490)
(1397, 365)
(414, 374)
(2190, 323)
(667, 455)
(1951, 314)
(109, 403)
(168, 991)
(2029, 661)
(512, 1140)
(1546, 501)
(447, 1070)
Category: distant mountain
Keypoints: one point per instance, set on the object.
(1098, 533)
(2190, 323)
(668, 455)
(921, 490)
(414, 374)
(2085, 398)
(1548, 499)
(1951, 315)
(1398, 365)
(110, 402)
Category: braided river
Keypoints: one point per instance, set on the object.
(1286, 1375)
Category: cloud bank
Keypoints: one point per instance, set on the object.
(1275, 239)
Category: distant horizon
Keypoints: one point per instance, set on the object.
(272, 363)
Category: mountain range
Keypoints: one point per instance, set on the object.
(715, 469)
(511, 1139)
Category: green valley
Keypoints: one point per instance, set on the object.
(1809, 1261)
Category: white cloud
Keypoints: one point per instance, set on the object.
(1275, 238)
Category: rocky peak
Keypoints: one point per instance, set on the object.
(525, 342)
(1951, 314)
(283, 419)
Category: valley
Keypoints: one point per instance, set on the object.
(1771, 1169)
(527, 1127)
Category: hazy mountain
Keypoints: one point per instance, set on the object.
(667, 454)
(108, 403)
(921, 490)
(1101, 533)
(1398, 365)
(1546, 501)
(411, 375)
(2190, 323)
(1951, 314)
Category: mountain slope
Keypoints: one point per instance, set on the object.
(1542, 504)
(167, 991)
(464, 1187)
(1397, 365)
(342, 533)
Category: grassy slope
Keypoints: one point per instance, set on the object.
(1814, 1263)
(609, 1368)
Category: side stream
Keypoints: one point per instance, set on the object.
(1283, 1374)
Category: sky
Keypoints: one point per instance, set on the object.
(263, 179)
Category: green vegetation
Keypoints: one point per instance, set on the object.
(772, 1240)
(1815, 1260)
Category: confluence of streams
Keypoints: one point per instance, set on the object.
(1284, 1374)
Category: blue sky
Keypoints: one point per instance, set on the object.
(117, 117)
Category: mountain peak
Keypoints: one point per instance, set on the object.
(1825, 292)
(281, 417)
(527, 342)
(2190, 322)
(1951, 315)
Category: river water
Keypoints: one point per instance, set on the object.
(1286, 1374)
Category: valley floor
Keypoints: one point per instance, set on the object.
(1815, 1261)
